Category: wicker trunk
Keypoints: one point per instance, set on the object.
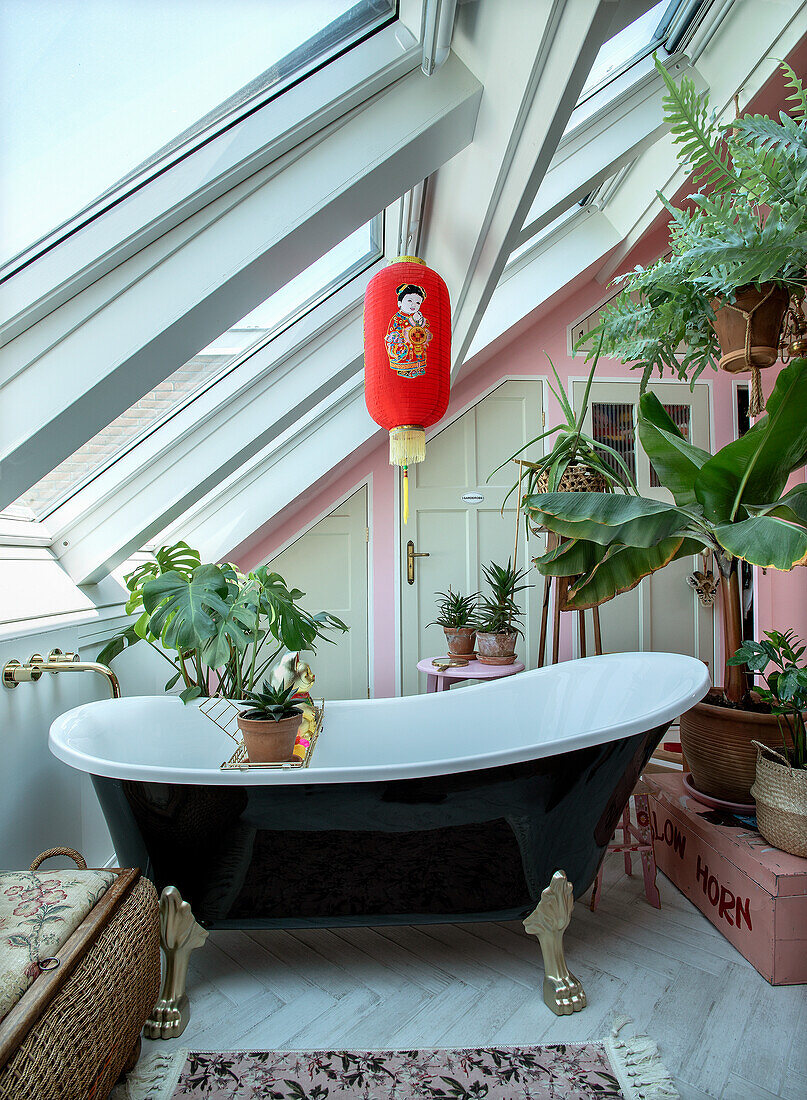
(77, 1027)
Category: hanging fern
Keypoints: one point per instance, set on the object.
(798, 97)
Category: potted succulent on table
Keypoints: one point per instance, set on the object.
(780, 786)
(733, 504)
(737, 253)
(220, 630)
(270, 724)
(497, 621)
(456, 616)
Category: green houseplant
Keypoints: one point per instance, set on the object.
(270, 723)
(737, 252)
(780, 786)
(456, 616)
(220, 629)
(498, 616)
(734, 505)
(575, 462)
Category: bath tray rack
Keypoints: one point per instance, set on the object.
(224, 714)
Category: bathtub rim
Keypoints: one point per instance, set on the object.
(375, 772)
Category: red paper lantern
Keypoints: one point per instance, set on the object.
(407, 355)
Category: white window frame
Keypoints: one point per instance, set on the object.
(281, 125)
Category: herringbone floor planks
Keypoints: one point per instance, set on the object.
(724, 1033)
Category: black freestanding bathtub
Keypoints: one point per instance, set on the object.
(444, 807)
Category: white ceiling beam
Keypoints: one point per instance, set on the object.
(533, 59)
(130, 330)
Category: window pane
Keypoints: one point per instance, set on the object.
(634, 40)
(680, 416)
(91, 89)
(612, 424)
(274, 315)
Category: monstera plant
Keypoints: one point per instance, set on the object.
(220, 629)
(732, 504)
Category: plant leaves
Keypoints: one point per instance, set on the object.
(184, 612)
(675, 461)
(605, 518)
(623, 567)
(764, 541)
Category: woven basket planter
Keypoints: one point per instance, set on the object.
(780, 793)
(575, 479)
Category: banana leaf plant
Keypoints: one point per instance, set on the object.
(220, 629)
(732, 504)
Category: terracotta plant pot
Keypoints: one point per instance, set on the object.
(460, 640)
(269, 742)
(766, 326)
(780, 793)
(717, 744)
(496, 649)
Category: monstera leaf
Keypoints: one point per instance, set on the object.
(178, 558)
(235, 629)
(184, 612)
(754, 469)
(675, 461)
(293, 627)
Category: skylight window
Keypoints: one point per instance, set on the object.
(96, 93)
(638, 39)
(226, 353)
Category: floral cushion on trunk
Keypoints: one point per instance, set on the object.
(38, 914)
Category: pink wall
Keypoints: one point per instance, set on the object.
(781, 598)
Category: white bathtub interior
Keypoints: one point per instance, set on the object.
(533, 714)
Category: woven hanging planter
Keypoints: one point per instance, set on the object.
(575, 479)
(780, 792)
(407, 356)
(748, 331)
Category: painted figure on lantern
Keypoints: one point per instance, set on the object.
(408, 333)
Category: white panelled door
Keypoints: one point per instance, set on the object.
(663, 612)
(329, 564)
(455, 518)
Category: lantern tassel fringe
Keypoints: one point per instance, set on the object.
(407, 445)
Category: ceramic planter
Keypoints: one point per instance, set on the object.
(780, 793)
(267, 741)
(765, 323)
(460, 640)
(717, 742)
(496, 649)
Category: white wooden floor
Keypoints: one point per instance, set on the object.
(722, 1030)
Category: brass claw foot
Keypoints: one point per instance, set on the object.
(179, 935)
(563, 993)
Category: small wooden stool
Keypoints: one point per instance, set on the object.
(635, 838)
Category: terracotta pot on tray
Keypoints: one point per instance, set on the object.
(460, 640)
(496, 649)
(267, 741)
(717, 742)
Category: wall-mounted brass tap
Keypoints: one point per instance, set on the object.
(15, 672)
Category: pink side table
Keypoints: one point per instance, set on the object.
(474, 670)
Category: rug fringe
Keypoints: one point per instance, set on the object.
(154, 1077)
(642, 1074)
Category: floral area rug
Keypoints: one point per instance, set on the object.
(612, 1069)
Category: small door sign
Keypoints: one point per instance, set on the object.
(472, 498)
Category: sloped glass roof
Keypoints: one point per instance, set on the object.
(226, 353)
(90, 89)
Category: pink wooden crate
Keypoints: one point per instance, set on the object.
(755, 894)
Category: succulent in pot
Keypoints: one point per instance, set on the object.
(270, 724)
(456, 616)
(780, 785)
(498, 616)
(734, 505)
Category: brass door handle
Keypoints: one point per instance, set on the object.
(410, 561)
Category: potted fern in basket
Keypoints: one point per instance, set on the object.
(456, 616)
(780, 786)
(737, 252)
(497, 623)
